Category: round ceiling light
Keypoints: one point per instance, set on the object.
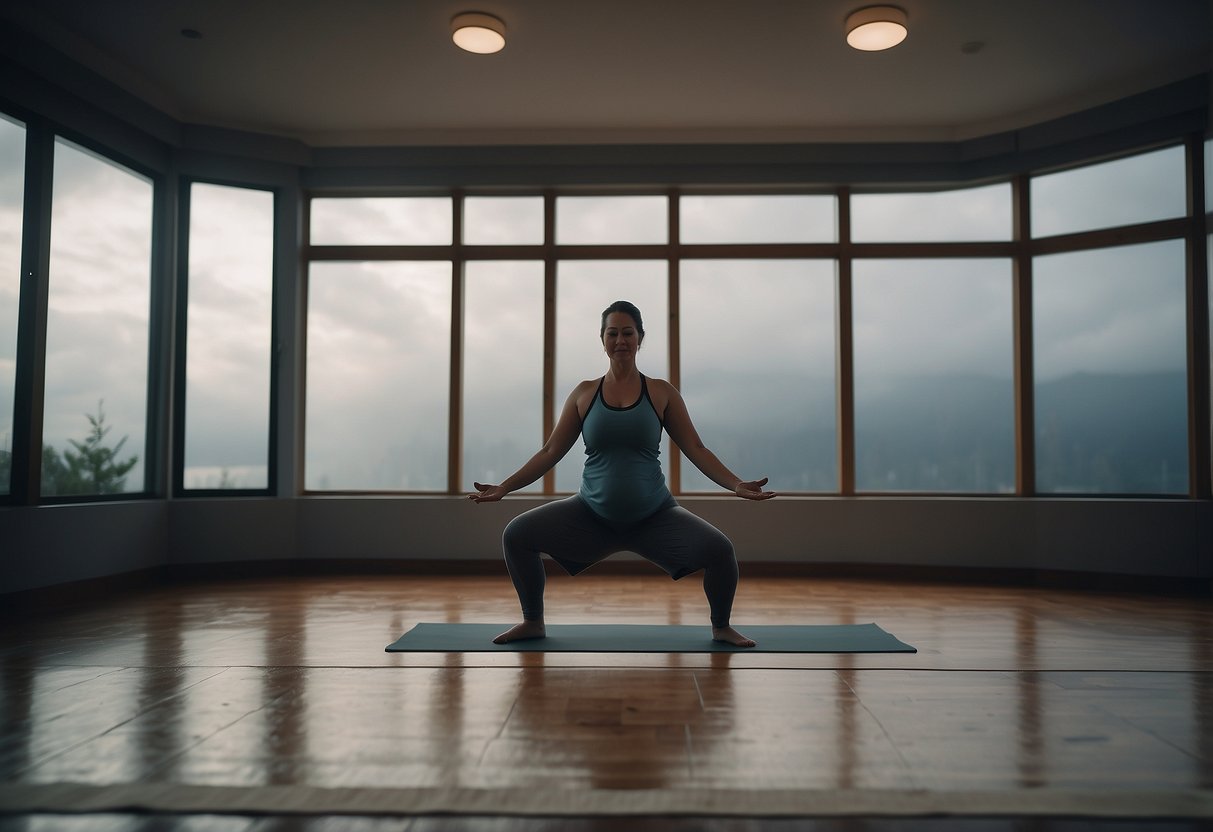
(874, 28)
(478, 32)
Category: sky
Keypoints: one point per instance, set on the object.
(231, 270)
(98, 304)
(758, 336)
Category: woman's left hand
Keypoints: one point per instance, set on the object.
(752, 490)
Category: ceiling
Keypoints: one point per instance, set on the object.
(384, 72)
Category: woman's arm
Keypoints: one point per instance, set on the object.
(568, 428)
(680, 428)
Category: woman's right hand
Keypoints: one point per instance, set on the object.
(487, 493)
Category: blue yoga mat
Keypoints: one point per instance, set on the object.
(650, 638)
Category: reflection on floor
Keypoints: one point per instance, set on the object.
(285, 682)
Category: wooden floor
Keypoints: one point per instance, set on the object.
(284, 682)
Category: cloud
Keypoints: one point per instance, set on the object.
(377, 365)
(1149, 186)
(585, 220)
(12, 162)
(503, 367)
(505, 220)
(963, 215)
(931, 317)
(1117, 310)
(228, 330)
(758, 219)
(381, 221)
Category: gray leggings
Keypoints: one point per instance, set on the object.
(575, 537)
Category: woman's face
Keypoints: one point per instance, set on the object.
(620, 338)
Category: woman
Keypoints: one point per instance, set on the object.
(623, 503)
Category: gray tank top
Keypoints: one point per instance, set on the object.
(622, 481)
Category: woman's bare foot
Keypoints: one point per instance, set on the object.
(730, 636)
(527, 629)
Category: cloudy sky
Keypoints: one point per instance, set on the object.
(757, 335)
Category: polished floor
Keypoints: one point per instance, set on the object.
(284, 682)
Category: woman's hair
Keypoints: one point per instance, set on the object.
(627, 308)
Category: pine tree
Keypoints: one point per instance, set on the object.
(92, 468)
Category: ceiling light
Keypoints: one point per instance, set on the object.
(478, 32)
(874, 28)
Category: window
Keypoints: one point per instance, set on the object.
(598, 220)
(12, 196)
(932, 333)
(378, 376)
(758, 219)
(1142, 188)
(758, 369)
(963, 215)
(95, 412)
(934, 395)
(584, 289)
(502, 369)
(230, 300)
(1111, 384)
(503, 220)
(396, 221)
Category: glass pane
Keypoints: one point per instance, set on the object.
(388, 221)
(378, 376)
(503, 220)
(590, 220)
(969, 215)
(95, 416)
(1143, 188)
(1111, 386)
(758, 219)
(758, 369)
(227, 373)
(502, 369)
(12, 195)
(934, 394)
(584, 289)
(1209, 176)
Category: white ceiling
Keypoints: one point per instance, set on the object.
(379, 72)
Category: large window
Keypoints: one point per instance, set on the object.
(95, 412)
(503, 368)
(503, 220)
(403, 221)
(1137, 189)
(758, 369)
(503, 303)
(1111, 383)
(1209, 256)
(929, 399)
(590, 220)
(934, 401)
(758, 219)
(12, 194)
(838, 341)
(953, 216)
(378, 376)
(230, 296)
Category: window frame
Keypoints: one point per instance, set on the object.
(180, 357)
(1020, 250)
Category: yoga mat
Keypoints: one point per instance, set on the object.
(650, 638)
